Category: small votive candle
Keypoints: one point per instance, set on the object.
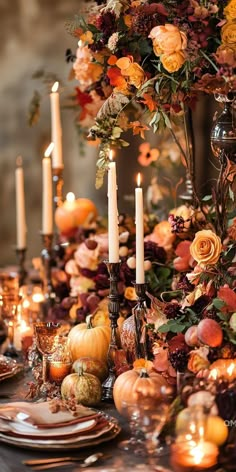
(193, 456)
(58, 370)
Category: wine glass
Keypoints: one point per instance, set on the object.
(152, 418)
(9, 303)
(131, 411)
(46, 341)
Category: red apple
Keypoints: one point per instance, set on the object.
(210, 333)
(91, 366)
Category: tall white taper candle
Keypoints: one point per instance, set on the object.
(140, 278)
(20, 205)
(56, 130)
(47, 213)
(113, 229)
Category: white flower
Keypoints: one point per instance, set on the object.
(112, 42)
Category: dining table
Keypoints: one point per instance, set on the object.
(114, 459)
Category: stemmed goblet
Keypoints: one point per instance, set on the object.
(46, 341)
(9, 303)
(131, 411)
(151, 419)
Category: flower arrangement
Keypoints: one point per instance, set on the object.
(140, 63)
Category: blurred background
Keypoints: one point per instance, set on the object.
(33, 37)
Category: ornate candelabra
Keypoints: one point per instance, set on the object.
(47, 260)
(139, 313)
(113, 307)
(21, 263)
(57, 175)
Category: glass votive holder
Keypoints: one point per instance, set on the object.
(60, 362)
(192, 456)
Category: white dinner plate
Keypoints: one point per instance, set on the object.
(26, 429)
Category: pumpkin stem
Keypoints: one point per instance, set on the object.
(89, 321)
(143, 373)
(80, 371)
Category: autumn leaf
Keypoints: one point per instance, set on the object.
(148, 100)
(138, 128)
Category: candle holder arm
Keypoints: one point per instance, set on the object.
(21, 263)
(114, 308)
(139, 313)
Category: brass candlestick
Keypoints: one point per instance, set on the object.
(47, 260)
(21, 263)
(57, 176)
(114, 308)
(139, 313)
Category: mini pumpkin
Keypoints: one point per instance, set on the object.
(88, 341)
(86, 388)
(136, 384)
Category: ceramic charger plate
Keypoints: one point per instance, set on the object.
(76, 442)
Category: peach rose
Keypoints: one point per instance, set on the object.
(197, 361)
(230, 10)
(87, 258)
(173, 62)
(206, 247)
(167, 39)
(162, 235)
(228, 34)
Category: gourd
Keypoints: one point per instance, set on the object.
(86, 388)
(84, 340)
(137, 384)
(92, 366)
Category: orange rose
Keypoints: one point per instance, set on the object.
(206, 247)
(173, 62)
(130, 294)
(226, 55)
(230, 10)
(133, 72)
(167, 39)
(196, 362)
(228, 34)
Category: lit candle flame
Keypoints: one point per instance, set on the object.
(198, 454)
(70, 197)
(139, 179)
(26, 303)
(19, 161)
(111, 155)
(230, 369)
(55, 87)
(49, 150)
(37, 297)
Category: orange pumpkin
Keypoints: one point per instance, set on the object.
(85, 212)
(136, 384)
(88, 341)
(69, 215)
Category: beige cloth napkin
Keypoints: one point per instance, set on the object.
(40, 413)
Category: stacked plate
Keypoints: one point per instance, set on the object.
(34, 426)
(8, 367)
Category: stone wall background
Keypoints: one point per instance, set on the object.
(32, 36)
